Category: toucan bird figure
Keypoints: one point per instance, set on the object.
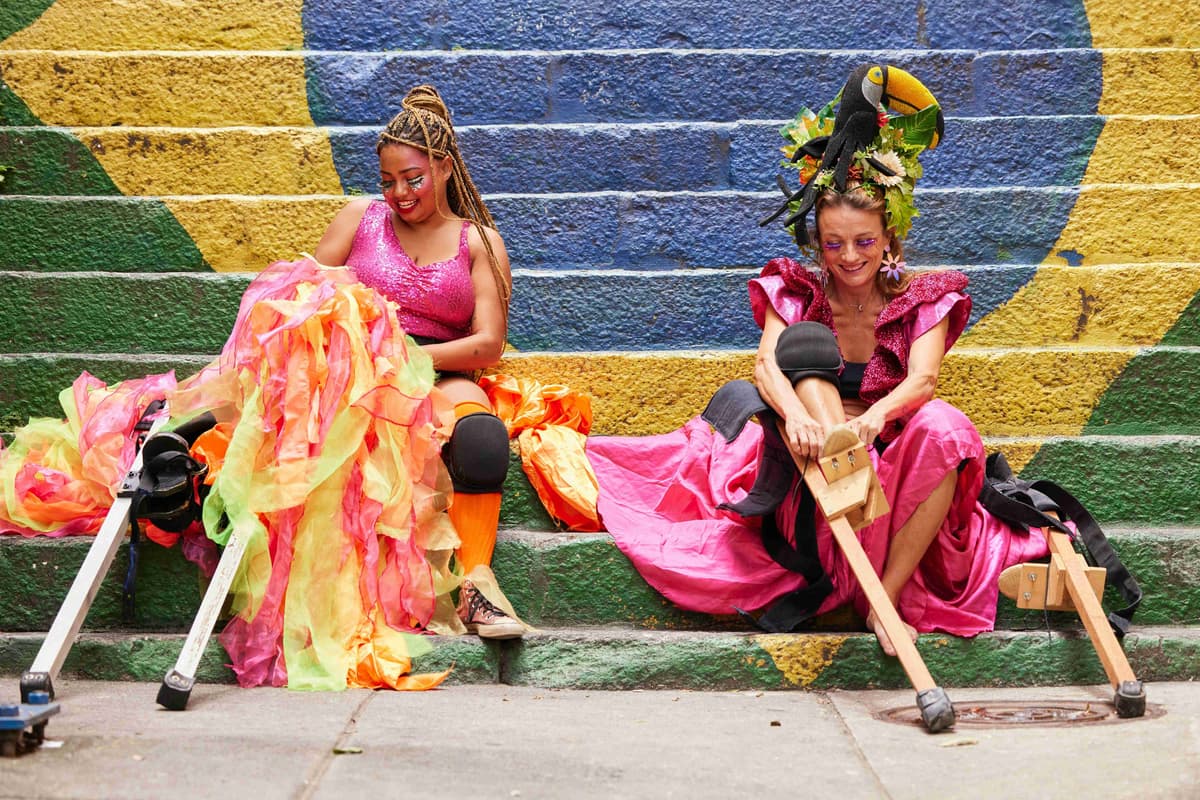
(869, 92)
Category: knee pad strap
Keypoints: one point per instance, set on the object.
(477, 454)
(808, 350)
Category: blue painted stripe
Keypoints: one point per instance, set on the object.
(366, 89)
(674, 311)
(644, 231)
(551, 311)
(670, 231)
(1020, 151)
(564, 25)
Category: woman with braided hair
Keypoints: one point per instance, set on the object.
(340, 423)
(432, 248)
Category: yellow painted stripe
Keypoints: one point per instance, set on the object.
(1141, 150)
(801, 659)
(1150, 82)
(159, 89)
(1133, 224)
(206, 161)
(245, 234)
(1119, 23)
(164, 24)
(1113, 305)
(1018, 393)
(1030, 392)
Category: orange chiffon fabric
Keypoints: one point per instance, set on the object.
(551, 424)
(326, 462)
(59, 477)
(332, 475)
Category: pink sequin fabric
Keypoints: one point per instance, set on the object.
(660, 495)
(795, 293)
(436, 300)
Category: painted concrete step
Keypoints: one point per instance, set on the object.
(574, 311)
(599, 230)
(512, 24)
(121, 656)
(623, 659)
(156, 87)
(1034, 393)
(1092, 423)
(552, 579)
(515, 24)
(553, 157)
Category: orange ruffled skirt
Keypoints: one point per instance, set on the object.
(330, 440)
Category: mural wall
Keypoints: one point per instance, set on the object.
(158, 154)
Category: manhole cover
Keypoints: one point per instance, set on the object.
(997, 713)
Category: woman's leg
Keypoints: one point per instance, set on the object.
(477, 457)
(908, 547)
(823, 402)
(475, 514)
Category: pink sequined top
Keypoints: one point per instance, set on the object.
(437, 301)
(795, 294)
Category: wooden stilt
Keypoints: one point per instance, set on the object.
(842, 482)
(1066, 583)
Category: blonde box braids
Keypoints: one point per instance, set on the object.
(424, 123)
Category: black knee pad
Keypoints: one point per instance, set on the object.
(808, 350)
(477, 454)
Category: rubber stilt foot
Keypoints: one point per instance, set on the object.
(36, 682)
(937, 712)
(1130, 699)
(175, 690)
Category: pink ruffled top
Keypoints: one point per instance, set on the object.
(435, 300)
(796, 295)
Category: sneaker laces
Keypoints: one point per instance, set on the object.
(477, 603)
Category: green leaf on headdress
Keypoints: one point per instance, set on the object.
(900, 208)
(919, 128)
(827, 111)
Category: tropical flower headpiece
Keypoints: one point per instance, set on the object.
(861, 145)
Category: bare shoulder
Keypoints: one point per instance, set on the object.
(476, 236)
(355, 209)
(335, 244)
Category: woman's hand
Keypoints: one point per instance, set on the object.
(868, 424)
(804, 436)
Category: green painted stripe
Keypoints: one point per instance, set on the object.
(148, 657)
(1165, 563)
(16, 15)
(47, 161)
(134, 314)
(13, 110)
(113, 234)
(37, 573)
(1152, 395)
(30, 385)
(1150, 481)
(540, 573)
(1011, 658)
(616, 659)
(1186, 331)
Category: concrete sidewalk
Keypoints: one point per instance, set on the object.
(496, 741)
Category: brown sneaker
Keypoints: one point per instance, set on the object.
(483, 618)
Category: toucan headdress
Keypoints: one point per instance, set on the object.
(862, 146)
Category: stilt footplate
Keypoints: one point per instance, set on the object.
(23, 725)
